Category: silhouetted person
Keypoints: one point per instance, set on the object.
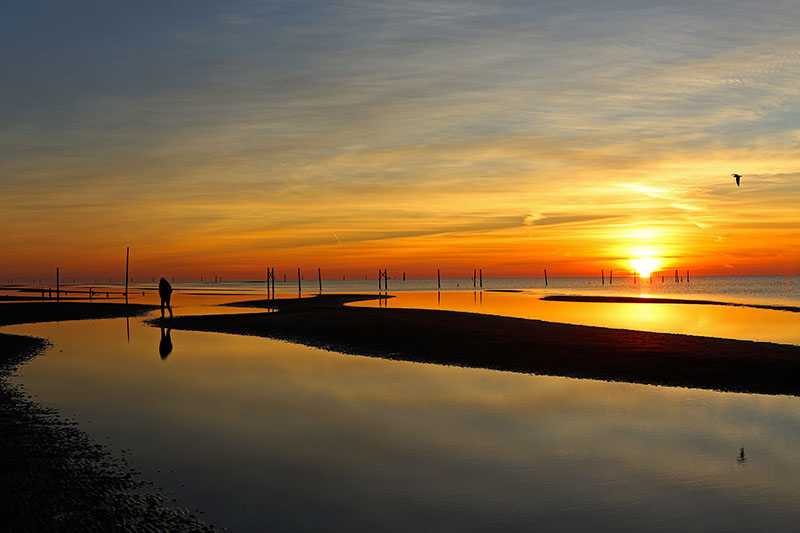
(165, 291)
(165, 346)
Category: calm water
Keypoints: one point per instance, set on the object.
(265, 434)
(262, 434)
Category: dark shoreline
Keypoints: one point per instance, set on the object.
(317, 301)
(520, 345)
(652, 300)
(55, 477)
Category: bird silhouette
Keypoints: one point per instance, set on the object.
(738, 177)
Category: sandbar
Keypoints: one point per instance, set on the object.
(521, 345)
(652, 300)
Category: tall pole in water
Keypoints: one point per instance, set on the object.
(439, 278)
(545, 277)
(58, 280)
(603, 276)
(480, 272)
(299, 285)
(610, 277)
(319, 277)
(127, 259)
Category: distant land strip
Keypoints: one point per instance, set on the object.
(648, 300)
(520, 345)
(310, 302)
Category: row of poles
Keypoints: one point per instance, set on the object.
(678, 278)
(477, 279)
(91, 290)
(383, 280)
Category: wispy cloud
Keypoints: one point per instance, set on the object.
(236, 127)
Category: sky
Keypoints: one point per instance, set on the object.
(225, 137)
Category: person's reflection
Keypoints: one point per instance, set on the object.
(165, 346)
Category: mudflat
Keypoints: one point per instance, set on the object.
(521, 345)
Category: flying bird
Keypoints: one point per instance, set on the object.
(738, 177)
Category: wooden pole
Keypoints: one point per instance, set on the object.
(404, 276)
(610, 277)
(385, 280)
(545, 277)
(687, 276)
(273, 282)
(676, 275)
(319, 277)
(127, 261)
(480, 272)
(58, 283)
(603, 276)
(439, 278)
(380, 275)
(474, 278)
(299, 284)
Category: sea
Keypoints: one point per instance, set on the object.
(767, 290)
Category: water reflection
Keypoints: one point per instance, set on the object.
(165, 346)
(373, 444)
(707, 320)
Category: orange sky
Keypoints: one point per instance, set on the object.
(502, 137)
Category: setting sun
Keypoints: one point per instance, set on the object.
(644, 266)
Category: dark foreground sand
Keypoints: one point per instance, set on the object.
(521, 345)
(54, 477)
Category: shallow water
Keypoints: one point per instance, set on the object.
(741, 323)
(263, 434)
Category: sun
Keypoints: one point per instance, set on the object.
(644, 266)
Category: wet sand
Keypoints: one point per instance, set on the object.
(55, 477)
(520, 345)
